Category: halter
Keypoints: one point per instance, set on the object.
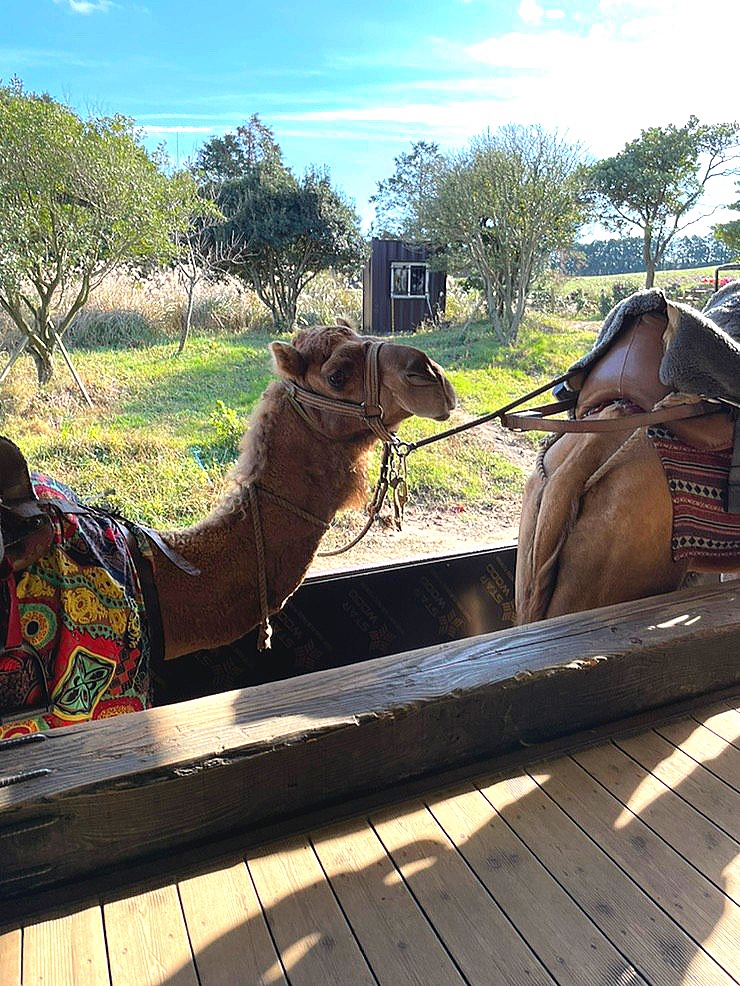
(369, 410)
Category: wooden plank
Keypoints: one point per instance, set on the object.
(315, 942)
(696, 785)
(683, 774)
(10, 958)
(227, 929)
(706, 747)
(563, 937)
(396, 938)
(644, 796)
(646, 935)
(67, 951)
(483, 942)
(147, 941)
(701, 909)
(725, 722)
(184, 775)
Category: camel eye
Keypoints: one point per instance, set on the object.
(338, 379)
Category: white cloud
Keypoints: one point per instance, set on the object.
(531, 12)
(87, 6)
(153, 129)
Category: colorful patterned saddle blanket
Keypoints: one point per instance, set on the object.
(77, 637)
(698, 480)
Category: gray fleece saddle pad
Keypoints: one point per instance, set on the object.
(703, 354)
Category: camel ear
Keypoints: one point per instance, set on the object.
(340, 320)
(288, 361)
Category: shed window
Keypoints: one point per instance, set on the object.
(409, 280)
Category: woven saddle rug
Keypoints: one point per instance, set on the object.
(698, 479)
(77, 643)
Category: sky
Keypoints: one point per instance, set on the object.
(351, 85)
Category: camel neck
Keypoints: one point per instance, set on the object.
(283, 458)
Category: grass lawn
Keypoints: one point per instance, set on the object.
(163, 432)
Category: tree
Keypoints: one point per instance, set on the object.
(729, 233)
(400, 199)
(196, 262)
(230, 157)
(501, 208)
(279, 230)
(657, 180)
(77, 199)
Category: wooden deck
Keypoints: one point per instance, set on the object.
(616, 865)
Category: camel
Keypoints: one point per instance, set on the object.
(319, 463)
(597, 518)
(303, 457)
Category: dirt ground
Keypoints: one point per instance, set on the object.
(434, 532)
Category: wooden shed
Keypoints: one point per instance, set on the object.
(400, 288)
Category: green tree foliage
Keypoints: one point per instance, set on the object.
(399, 200)
(78, 198)
(729, 233)
(501, 208)
(280, 231)
(229, 157)
(657, 180)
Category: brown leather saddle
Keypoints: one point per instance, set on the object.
(629, 370)
(25, 529)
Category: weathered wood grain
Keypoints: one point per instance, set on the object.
(399, 943)
(146, 785)
(11, 944)
(547, 917)
(315, 940)
(697, 905)
(648, 799)
(698, 786)
(69, 951)
(147, 941)
(658, 947)
(483, 942)
(227, 929)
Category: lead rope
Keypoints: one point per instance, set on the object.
(265, 628)
(392, 477)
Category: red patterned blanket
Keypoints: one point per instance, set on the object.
(697, 479)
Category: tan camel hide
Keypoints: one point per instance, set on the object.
(319, 469)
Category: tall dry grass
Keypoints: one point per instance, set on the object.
(130, 309)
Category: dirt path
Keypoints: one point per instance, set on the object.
(437, 531)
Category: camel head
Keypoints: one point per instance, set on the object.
(331, 361)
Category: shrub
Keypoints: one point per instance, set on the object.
(618, 292)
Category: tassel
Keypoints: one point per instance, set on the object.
(264, 641)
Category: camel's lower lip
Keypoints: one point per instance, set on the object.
(443, 417)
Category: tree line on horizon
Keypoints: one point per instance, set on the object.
(624, 255)
(80, 198)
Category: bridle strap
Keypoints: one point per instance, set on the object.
(539, 418)
(369, 411)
